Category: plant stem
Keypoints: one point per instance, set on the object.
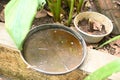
(79, 5)
(71, 12)
(57, 10)
(55, 7)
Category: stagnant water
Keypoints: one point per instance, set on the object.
(53, 50)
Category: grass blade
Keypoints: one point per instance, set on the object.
(109, 41)
(71, 12)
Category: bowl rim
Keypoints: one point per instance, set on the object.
(65, 28)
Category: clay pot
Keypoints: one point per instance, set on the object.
(102, 19)
(53, 49)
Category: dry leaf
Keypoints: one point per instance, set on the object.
(50, 13)
(41, 13)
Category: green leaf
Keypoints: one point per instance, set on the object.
(109, 41)
(71, 12)
(19, 15)
(55, 7)
(80, 5)
(105, 71)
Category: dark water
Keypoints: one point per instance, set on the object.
(53, 50)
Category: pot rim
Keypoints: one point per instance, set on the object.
(102, 35)
(65, 28)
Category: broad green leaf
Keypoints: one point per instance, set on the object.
(105, 71)
(19, 15)
(109, 41)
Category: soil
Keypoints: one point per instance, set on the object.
(91, 27)
(42, 20)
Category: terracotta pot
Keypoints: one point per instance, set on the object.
(90, 38)
(53, 49)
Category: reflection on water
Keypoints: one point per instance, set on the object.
(53, 50)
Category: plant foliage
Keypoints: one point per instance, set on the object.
(19, 15)
(55, 7)
(79, 5)
(105, 71)
(109, 41)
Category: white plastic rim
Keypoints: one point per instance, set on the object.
(82, 15)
